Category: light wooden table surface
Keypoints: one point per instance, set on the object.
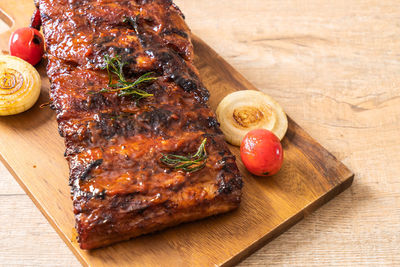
(335, 68)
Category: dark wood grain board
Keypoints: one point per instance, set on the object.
(32, 150)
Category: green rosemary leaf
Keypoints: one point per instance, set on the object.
(191, 163)
(115, 66)
(178, 158)
(136, 92)
(104, 90)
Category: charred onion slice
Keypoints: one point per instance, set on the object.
(19, 85)
(243, 111)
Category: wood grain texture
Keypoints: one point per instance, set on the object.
(344, 91)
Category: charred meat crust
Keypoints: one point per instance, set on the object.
(119, 186)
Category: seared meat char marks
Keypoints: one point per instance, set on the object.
(119, 186)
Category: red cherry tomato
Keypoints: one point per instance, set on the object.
(28, 44)
(261, 152)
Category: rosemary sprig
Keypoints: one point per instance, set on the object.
(114, 65)
(189, 163)
(124, 88)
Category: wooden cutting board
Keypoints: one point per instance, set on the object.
(32, 150)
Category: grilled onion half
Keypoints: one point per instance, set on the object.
(242, 111)
(19, 85)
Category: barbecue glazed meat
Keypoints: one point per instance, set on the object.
(121, 188)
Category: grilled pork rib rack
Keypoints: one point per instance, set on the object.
(115, 142)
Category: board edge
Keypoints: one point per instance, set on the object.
(43, 211)
(290, 222)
